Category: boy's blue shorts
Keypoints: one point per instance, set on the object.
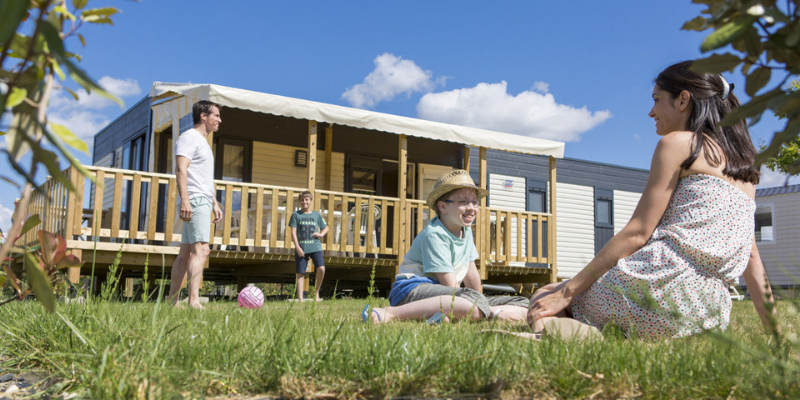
(302, 262)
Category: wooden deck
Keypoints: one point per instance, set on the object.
(133, 213)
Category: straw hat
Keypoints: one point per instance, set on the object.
(453, 180)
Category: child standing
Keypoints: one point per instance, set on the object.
(305, 224)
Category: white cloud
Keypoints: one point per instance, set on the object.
(541, 87)
(392, 76)
(773, 179)
(120, 87)
(489, 106)
(83, 123)
(86, 116)
(5, 218)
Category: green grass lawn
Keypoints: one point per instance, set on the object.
(134, 350)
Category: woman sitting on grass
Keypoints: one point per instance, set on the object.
(668, 272)
(440, 259)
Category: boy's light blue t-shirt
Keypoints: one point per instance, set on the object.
(436, 250)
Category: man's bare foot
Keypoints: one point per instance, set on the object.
(197, 306)
(317, 299)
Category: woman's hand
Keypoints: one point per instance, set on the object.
(548, 306)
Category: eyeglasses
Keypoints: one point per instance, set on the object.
(464, 203)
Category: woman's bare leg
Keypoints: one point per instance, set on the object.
(538, 325)
(458, 307)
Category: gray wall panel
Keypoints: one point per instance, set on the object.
(134, 121)
(578, 172)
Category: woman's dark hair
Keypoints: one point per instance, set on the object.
(708, 108)
(202, 107)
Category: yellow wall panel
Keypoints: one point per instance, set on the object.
(273, 164)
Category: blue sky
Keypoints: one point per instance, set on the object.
(584, 67)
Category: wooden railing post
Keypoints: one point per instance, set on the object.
(312, 157)
(551, 223)
(328, 156)
(69, 208)
(485, 220)
(402, 193)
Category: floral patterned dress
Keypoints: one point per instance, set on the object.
(678, 283)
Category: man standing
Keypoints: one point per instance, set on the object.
(194, 173)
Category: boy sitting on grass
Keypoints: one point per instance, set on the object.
(305, 224)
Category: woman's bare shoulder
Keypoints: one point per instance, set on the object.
(677, 138)
(676, 143)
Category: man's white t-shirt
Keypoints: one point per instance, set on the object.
(192, 145)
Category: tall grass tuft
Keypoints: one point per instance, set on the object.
(109, 288)
(371, 287)
(146, 281)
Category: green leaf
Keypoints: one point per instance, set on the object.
(777, 15)
(21, 126)
(82, 79)
(16, 97)
(13, 278)
(794, 36)
(57, 69)
(696, 24)
(69, 261)
(78, 4)
(752, 43)
(72, 160)
(83, 41)
(32, 221)
(63, 11)
(105, 12)
(97, 19)
(74, 95)
(40, 283)
(49, 245)
(757, 80)
(50, 159)
(52, 37)
(789, 133)
(69, 138)
(2, 280)
(716, 63)
(755, 106)
(11, 14)
(727, 33)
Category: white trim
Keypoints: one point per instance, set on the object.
(328, 113)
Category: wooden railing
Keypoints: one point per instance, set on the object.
(139, 208)
(518, 236)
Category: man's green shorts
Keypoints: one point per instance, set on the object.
(199, 228)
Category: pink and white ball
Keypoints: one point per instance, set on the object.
(251, 297)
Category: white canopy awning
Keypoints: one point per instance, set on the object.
(179, 98)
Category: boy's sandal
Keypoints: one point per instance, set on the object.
(365, 314)
(437, 318)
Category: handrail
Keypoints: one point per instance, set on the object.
(140, 207)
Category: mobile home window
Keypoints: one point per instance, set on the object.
(537, 196)
(603, 208)
(765, 226)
